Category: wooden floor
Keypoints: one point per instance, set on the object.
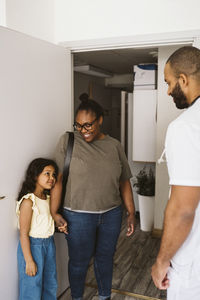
(132, 269)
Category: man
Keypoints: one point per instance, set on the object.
(177, 267)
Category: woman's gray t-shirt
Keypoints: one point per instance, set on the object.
(95, 172)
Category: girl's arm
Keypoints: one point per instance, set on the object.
(127, 196)
(25, 223)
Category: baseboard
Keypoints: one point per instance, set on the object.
(157, 233)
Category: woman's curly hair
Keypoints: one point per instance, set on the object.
(35, 168)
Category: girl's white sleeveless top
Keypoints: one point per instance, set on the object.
(42, 223)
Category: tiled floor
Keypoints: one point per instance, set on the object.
(132, 269)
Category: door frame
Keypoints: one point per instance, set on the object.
(137, 41)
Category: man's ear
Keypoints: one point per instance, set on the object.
(183, 80)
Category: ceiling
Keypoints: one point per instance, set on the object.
(119, 61)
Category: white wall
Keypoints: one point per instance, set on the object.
(33, 17)
(71, 20)
(2, 12)
(166, 112)
(93, 19)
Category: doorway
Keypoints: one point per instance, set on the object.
(108, 77)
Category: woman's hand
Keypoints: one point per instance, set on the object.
(31, 268)
(127, 196)
(60, 223)
(130, 224)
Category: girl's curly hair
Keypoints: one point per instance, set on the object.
(35, 168)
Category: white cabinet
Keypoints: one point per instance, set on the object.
(145, 77)
(144, 125)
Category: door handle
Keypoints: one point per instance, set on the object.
(2, 197)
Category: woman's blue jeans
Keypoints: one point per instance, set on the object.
(92, 234)
(44, 284)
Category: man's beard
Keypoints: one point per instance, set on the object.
(179, 97)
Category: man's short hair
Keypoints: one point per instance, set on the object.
(186, 60)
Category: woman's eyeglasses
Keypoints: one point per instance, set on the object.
(86, 126)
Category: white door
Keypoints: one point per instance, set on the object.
(35, 109)
(123, 118)
(144, 125)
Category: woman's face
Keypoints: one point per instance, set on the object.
(88, 126)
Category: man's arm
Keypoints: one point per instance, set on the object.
(178, 221)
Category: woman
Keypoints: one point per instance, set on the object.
(98, 179)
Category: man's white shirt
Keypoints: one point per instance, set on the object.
(182, 149)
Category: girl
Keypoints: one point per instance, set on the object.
(36, 249)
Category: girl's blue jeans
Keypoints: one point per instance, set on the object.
(92, 234)
(44, 284)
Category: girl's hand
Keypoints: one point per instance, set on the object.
(130, 224)
(31, 268)
(63, 228)
(60, 223)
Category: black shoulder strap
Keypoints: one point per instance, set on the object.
(68, 157)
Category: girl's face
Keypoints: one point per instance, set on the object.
(46, 179)
(88, 126)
